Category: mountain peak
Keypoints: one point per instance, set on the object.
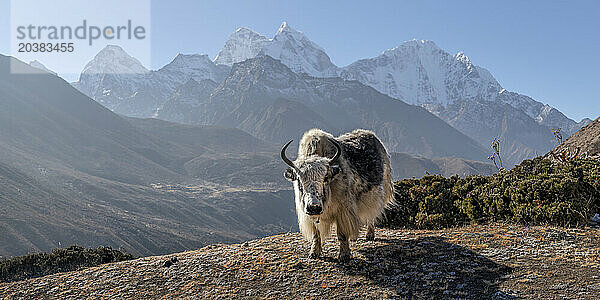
(284, 27)
(113, 59)
(288, 45)
(412, 44)
(242, 44)
(262, 67)
(288, 32)
(116, 48)
(244, 30)
(299, 53)
(196, 66)
(184, 58)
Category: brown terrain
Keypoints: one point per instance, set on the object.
(585, 142)
(493, 262)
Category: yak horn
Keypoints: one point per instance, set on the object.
(338, 151)
(287, 160)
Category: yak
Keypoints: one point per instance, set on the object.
(344, 181)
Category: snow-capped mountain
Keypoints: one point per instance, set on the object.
(421, 73)
(263, 96)
(110, 76)
(466, 96)
(241, 45)
(299, 53)
(418, 72)
(194, 66)
(288, 45)
(121, 83)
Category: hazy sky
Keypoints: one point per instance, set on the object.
(548, 50)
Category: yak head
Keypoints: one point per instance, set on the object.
(311, 177)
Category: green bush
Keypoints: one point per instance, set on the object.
(59, 260)
(536, 192)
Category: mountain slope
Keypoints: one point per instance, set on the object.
(264, 97)
(586, 142)
(409, 166)
(464, 95)
(71, 171)
(420, 73)
(119, 82)
(182, 105)
(38, 65)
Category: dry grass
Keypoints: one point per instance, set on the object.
(502, 261)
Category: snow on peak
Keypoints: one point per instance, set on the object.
(413, 45)
(419, 72)
(196, 66)
(244, 30)
(462, 57)
(285, 27)
(289, 46)
(299, 53)
(113, 59)
(286, 32)
(241, 45)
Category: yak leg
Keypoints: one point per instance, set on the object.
(370, 232)
(316, 250)
(344, 247)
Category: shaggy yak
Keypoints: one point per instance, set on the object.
(346, 181)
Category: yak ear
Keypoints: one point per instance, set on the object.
(289, 174)
(335, 169)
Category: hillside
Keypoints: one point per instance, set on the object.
(72, 171)
(497, 262)
(418, 72)
(413, 166)
(586, 141)
(263, 96)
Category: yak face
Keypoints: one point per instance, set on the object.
(311, 183)
(311, 177)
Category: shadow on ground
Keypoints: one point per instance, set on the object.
(428, 267)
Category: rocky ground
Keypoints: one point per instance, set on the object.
(496, 261)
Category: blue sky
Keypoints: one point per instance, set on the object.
(548, 50)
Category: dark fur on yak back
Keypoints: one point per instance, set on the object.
(363, 151)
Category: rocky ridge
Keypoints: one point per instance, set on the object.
(474, 262)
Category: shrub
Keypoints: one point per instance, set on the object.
(59, 260)
(536, 192)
